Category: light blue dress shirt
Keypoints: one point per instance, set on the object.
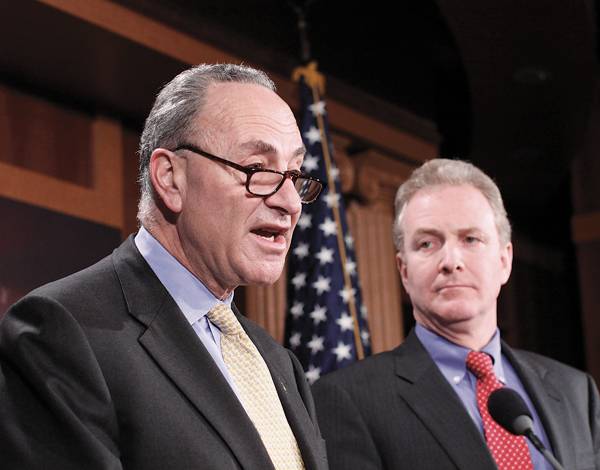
(191, 296)
(451, 360)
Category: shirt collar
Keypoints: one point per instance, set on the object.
(451, 358)
(190, 294)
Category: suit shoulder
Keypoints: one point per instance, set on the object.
(89, 277)
(86, 293)
(362, 373)
(546, 363)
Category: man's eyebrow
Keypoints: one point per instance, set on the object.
(300, 151)
(258, 147)
(262, 147)
(469, 230)
(427, 231)
(472, 231)
(437, 233)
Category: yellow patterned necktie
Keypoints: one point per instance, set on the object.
(256, 390)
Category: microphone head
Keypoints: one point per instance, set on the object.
(510, 411)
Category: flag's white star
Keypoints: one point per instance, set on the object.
(363, 311)
(316, 344)
(342, 351)
(332, 200)
(334, 172)
(299, 280)
(349, 241)
(305, 221)
(328, 226)
(297, 310)
(364, 334)
(347, 293)
(310, 163)
(301, 250)
(318, 314)
(325, 255)
(322, 284)
(346, 322)
(350, 267)
(313, 135)
(312, 374)
(318, 108)
(295, 340)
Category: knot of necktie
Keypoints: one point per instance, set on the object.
(224, 318)
(480, 364)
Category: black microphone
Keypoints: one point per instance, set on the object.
(509, 410)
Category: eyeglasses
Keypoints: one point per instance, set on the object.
(264, 183)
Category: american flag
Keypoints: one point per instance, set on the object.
(326, 324)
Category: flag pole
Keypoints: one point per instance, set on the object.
(318, 86)
(316, 81)
(301, 12)
(332, 290)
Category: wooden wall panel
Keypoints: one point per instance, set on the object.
(266, 305)
(380, 283)
(101, 202)
(41, 136)
(107, 157)
(586, 226)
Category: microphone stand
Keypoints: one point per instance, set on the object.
(545, 452)
(509, 410)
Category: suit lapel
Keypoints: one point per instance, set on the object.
(544, 393)
(278, 361)
(174, 346)
(426, 391)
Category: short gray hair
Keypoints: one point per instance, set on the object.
(442, 171)
(175, 109)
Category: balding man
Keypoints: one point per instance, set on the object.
(142, 361)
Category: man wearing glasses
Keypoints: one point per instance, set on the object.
(142, 361)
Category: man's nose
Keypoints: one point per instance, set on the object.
(287, 198)
(451, 258)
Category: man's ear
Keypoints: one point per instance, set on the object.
(402, 269)
(165, 173)
(506, 257)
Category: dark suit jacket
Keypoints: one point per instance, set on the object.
(100, 370)
(396, 410)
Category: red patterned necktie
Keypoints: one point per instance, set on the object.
(509, 451)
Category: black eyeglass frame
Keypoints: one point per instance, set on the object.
(249, 171)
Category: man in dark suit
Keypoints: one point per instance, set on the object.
(423, 405)
(142, 361)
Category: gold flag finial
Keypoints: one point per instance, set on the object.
(312, 76)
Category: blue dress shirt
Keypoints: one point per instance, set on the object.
(451, 360)
(191, 296)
